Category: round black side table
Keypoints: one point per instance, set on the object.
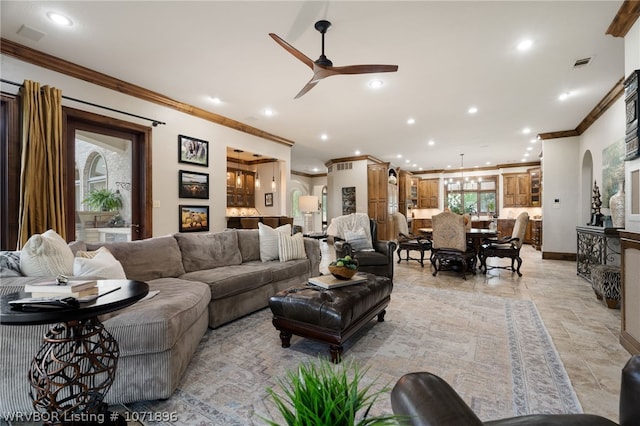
(77, 361)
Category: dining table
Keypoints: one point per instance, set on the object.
(475, 235)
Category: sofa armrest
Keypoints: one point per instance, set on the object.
(312, 248)
(630, 393)
(429, 401)
(385, 247)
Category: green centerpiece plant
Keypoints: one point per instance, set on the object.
(324, 394)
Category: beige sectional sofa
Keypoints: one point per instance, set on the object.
(204, 280)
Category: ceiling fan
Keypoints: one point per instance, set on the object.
(323, 67)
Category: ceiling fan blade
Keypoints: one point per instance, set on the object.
(362, 69)
(310, 85)
(295, 52)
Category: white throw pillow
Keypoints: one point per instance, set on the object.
(291, 247)
(102, 265)
(46, 255)
(269, 240)
(359, 240)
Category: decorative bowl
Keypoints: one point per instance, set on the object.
(342, 272)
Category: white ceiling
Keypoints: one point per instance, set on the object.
(451, 55)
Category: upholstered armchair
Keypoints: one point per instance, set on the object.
(449, 244)
(373, 255)
(507, 247)
(428, 400)
(408, 241)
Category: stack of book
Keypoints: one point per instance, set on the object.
(74, 288)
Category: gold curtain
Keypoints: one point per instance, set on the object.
(42, 200)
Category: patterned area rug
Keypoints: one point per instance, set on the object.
(494, 351)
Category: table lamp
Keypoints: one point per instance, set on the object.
(308, 204)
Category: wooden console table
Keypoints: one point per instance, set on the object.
(596, 246)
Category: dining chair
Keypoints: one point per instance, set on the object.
(507, 247)
(408, 241)
(449, 244)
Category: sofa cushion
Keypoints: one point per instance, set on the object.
(290, 247)
(10, 264)
(269, 240)
(249, 244)
(286, 270)
(234, 279)
(46, 255)
(156, 324)
(98, 264)
(149, 259)
(210, 250)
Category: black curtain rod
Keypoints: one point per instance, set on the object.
(154, 123)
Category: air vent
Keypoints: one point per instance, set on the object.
(30, 33)
(344, 166)
(582, 62)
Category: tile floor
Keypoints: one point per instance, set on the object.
(584, 331)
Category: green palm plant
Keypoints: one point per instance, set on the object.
(323, 394)
(104, 200)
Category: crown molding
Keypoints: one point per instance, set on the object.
(627, 15)
(56, 64)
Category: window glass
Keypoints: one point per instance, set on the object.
(479, 195)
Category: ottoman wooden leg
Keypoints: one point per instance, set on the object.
(612, 303)
(381, 316)
(336, 353)
(285, 337)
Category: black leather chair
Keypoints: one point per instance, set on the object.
(427, 400)
(377, 262)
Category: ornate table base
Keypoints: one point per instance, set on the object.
(73, 370)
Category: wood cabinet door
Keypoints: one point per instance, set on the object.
(523, 195)
(510, 189)
(377, 181)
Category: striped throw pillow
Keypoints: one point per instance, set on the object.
(291, 247)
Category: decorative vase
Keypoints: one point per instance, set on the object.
(616, 205)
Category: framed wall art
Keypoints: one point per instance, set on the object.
(268, 199)
(348, 200)
(193, 151)
(193, 185)
(193, 218)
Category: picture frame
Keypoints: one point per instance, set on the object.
(193, 151)
(268, 199)
(348, 200)
(193, 218)
(193, 184)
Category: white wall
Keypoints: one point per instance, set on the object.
(560, 172)
(165, 140)
(338, 179)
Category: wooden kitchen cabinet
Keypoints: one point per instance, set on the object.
(505, 229)
(242, 195)
(383, 199)
(516, 190)
(428, 193)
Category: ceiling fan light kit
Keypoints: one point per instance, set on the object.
(323, 67)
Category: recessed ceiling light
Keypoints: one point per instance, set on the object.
(399, 155)
(414, 165)
(526, 154)
(525, 44)
(431, 143)
(420, 168)
(216, 100)
(376, 84)
(324, 136)
(59, 19)
(533, 141)
(487, 163)
(523, 160)
(315, 169)
(472, 110)
(357, 152)
(407, 160)
(564, 96)
(529, 148)
(411, 120)
(448, 166)
(268, 112)
(526, 130)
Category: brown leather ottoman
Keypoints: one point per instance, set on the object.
(329, 316)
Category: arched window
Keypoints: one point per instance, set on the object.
(97, 178)
(78, 188)
(295, 198)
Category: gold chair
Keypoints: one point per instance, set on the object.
(449, 244)
(408, 241)
(506, 247)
